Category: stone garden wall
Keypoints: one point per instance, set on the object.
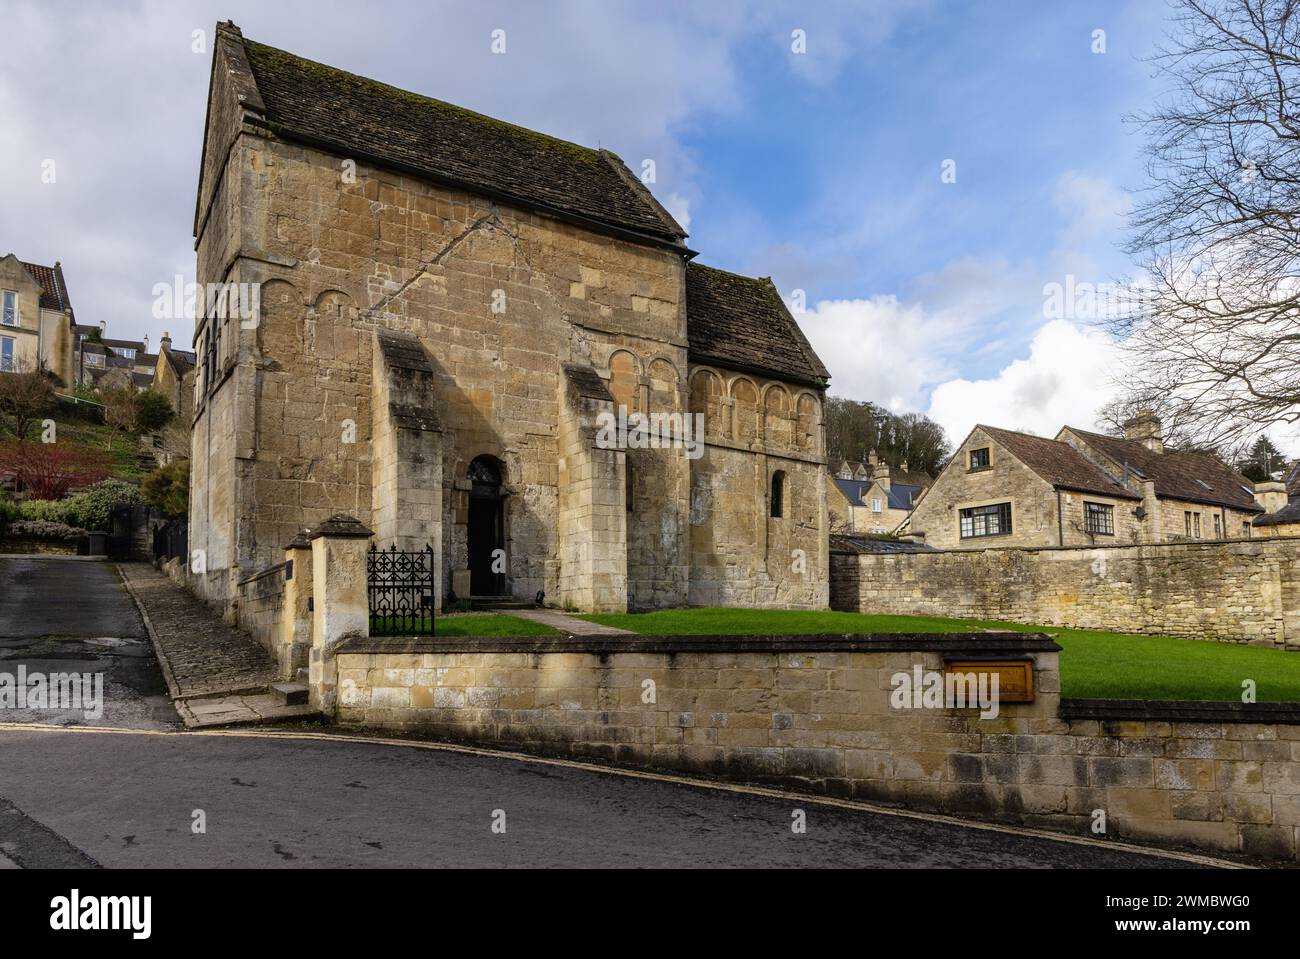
(815, 713)
(1245, 591)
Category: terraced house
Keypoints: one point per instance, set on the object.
(1007, 489)
(36, 319)
(448, 304)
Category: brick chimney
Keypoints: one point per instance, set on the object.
(165, 343)
(1145, 428)
(1271, 495)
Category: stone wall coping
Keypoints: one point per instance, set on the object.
(1180, 711)
(1081, 548)
(269, 571)
(341, 526)
(977, 644)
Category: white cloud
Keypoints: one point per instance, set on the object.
(1065, 379)
(680, 208)
(880, 349)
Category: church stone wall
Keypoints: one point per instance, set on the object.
(502, 300)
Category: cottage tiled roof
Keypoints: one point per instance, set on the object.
(1194, 477)
(740, 322)
(137, 345)
(865, 544)
(183, 360)
(1059, 463)
(853, 490)
(54, 291)
(903, 495)
(358, 117)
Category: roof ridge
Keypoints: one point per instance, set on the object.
(412, 93)
(616, 161)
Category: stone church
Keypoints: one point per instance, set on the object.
(443, 308)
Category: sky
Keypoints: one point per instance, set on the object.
(911, 173)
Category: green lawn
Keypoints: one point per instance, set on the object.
(488, 624)
(1093, 664)
(124, 450)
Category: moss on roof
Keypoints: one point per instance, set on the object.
(367, 118)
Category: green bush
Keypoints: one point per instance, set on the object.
(43, 510)
(152, 411)
(91, 508)
(8, 512)
(168, 488)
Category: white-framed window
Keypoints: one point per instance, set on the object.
(125, 353)
(6, 354)
(875, 504)
(9, 308)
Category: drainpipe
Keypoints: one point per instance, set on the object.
(1060, 519)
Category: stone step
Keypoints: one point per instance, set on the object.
(256, 710)
(500, 602)
(290, 694)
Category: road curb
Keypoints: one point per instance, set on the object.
(173, 690)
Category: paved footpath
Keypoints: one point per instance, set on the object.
(202, 655)
(128, 799)
(217, 675)
(566, 623)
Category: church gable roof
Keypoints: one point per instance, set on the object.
(740, 322)
(358, 117)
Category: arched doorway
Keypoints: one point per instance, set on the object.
(486, 528)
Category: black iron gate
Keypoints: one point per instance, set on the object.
(120, 531)
(401, 591)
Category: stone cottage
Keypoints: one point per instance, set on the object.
(427, 318)
(874, 497)
(1006, 489)
(36, 320)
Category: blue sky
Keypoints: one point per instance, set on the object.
(821, 169)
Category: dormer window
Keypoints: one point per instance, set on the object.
(9, 316)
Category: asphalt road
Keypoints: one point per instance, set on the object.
(126, 800)
(75, 616)
(65, 597)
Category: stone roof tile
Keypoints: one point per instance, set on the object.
(740, 322)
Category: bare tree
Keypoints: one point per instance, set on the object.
(1217, 337)
(25, 396)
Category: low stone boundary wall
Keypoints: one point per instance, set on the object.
(815, 713)
(259, 606)
(1242, 591)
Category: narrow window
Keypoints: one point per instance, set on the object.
(986, 521)
(1187, 521)
(1196, 524)
(1099, 518)
(777, 502)
(10, 315)
(628, 485)
(6, 354)
(1218, 530)
(979, 459)
(875, 504)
